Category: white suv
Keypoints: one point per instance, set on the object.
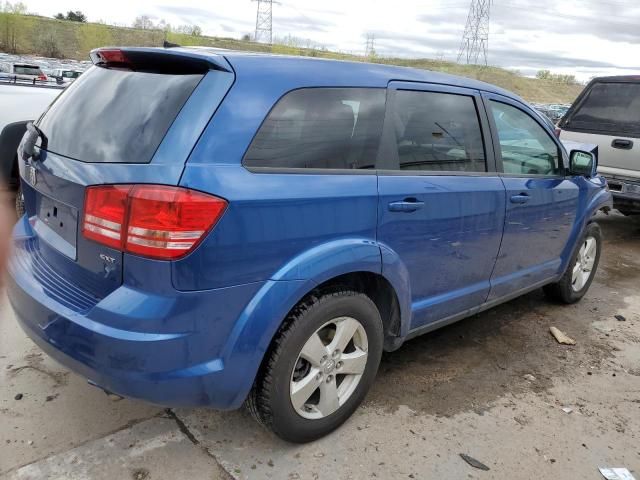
(607, 113)
(22, 71)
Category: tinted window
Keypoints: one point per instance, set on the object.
(526, 148)
(26, 70)
(115, 116)
(609, 107)
(337, 128)
(438, 132)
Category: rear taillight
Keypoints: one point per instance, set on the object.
(42, 77)
(155, 221)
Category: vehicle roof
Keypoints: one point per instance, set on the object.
(324, 71)
(617, 79)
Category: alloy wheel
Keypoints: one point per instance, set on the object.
(583, 269)
(329, 368)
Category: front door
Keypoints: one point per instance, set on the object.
(541, 202)
(441, 204)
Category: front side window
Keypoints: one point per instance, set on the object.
(438, 132)
(326, 128)
(526, 148)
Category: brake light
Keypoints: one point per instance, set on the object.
(154, 221)
(109, 56)
(42, 77)
(105, 210)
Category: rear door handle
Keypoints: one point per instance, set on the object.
(622, 144)
(521, 198)
(407, 205)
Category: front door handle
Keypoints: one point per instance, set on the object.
(520, 198)
(622, 144)
(407, 205)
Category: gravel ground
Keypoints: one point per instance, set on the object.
(492, 386)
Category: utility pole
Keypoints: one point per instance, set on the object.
(475, 39)
(369, 50)
(264, 22)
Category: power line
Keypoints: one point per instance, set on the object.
(264, 21)
(475, 39)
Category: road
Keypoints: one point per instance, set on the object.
(492, 386)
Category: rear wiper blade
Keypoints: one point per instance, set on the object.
(30, 140)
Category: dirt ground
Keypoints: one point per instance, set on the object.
(492, 386)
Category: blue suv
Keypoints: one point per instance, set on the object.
(209, 228)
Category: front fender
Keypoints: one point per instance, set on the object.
(600, 199)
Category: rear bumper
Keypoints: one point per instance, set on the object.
(626, 193)
(171, 349)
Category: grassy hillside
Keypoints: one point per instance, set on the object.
(63, 39)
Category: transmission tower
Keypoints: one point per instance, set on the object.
(264, 21)
(369, 50)
(475, 39)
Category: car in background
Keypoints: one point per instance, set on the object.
(237, 228)
(607, 113)
(20, 103)
(64, 76)
(553, 112)
(22, 71)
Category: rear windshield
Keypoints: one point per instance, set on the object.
(26, 70)
(115, 116)
(611, 108)
(70, 74)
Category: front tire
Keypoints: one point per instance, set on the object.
(576, 281)
(320, 366)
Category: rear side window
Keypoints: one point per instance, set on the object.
(115, 116)
(327, 128)
(438, 132)
(612, 108)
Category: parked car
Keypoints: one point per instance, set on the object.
(22, 71)
(65, 76)
(20, 104)
(236, 227)
(607, 113)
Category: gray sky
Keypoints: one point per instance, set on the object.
(580, 37)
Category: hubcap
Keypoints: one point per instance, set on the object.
(583, 269)
(329, 368)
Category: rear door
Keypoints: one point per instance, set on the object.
(441, 204)
(113, 126)
(608, 113)
(541, 202)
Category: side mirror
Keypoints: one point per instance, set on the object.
(583, 163)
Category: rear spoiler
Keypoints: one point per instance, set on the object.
(176, 61)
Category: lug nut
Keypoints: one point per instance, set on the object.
(324, 359)
(339, 365)
(329, 378)
(318, 376)
(336, 353)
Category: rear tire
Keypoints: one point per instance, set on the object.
(576, 281)
(300, 393)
